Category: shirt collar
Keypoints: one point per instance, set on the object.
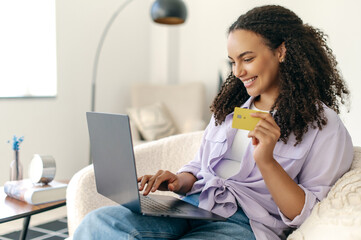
(248, 103)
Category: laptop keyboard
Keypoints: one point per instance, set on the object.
(153, 205)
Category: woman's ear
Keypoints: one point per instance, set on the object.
(281, 50)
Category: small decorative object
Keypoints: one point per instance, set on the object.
(16, 168)
(42, 169)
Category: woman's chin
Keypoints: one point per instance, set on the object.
(252, 93)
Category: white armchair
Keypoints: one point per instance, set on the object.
(167, 153)
(338, 216)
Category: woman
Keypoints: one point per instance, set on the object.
(267, 180)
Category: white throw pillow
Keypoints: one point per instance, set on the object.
(338, 216)
(153, 121)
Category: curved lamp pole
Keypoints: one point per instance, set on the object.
(163, 11)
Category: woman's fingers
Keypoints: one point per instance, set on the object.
(255, 141)
(266, 117)
(150, 182)
(164, 179)
(266, 130)
(143, 180)
(160, 181)
(268, 134)
(257, 135)
(266, 124)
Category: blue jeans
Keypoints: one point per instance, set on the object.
(118, 222)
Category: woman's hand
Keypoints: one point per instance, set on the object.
(264, 137)
(166, 181)
(288, 196)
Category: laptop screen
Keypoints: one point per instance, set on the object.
(113, 158)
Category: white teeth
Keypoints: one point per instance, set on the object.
(250, 80)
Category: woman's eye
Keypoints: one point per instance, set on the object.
(248, 59)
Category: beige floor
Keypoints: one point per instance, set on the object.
(35, 220)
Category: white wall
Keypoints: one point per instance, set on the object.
(138, 50)
(57, 126)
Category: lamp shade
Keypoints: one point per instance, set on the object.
(169, 11)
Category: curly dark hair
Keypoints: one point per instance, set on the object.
(308, 76)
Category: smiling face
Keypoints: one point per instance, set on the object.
(255, 64)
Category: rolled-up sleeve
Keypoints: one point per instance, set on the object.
(192, 167)
(329, 158)
(310, 202)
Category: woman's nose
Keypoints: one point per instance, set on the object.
(238, 71)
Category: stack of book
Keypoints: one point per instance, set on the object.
(35, 193)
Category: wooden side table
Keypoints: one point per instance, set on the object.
(12, 209)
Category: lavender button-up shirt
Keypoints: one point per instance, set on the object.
(315, 164)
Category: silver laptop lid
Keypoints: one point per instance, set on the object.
(111, 148)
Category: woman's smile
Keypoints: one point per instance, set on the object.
(249, 82)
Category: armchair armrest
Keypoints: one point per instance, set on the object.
(82, 197)
(168, 153)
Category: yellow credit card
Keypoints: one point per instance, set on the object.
(242, 119)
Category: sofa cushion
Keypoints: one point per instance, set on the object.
(152, 121)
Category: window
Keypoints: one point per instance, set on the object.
(27, 48)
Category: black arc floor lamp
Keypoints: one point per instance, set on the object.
(169, 12)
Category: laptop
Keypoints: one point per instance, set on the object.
(116, 176)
